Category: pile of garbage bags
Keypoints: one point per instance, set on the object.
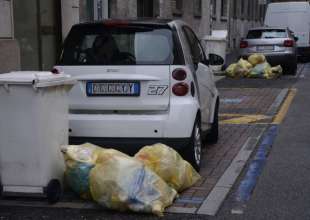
(255, 67)
(148, 182)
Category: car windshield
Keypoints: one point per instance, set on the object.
(270, 33)
(118, 45)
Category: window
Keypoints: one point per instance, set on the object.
(119, 45)
(242, 8)
(224, 8)
(213, 8)
(145, 8)
(195, 47)
(197, 8)
(256, 17)
(267, 34)
(6, 27)
(177, 6)
(235, 8)
(249, 11)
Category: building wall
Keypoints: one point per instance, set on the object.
(200, 23)
(9, 47)
(162, 9)
(123, 9)
(238, 21)
(70, 15)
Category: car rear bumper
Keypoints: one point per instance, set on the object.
(172, 127)
(132, 145)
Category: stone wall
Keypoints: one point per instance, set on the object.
(9, 56)
(123, 9)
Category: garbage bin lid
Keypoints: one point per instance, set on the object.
(35, 78)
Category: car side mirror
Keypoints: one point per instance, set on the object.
(296, 38)
(215, 60)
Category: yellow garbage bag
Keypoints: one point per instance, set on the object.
(86, 153)
(122, 183)
(259, 70)
(256, 58)
(273, 72)
(79, 160)
(169, 165)
(230, 71)
(105, 154)
(241, 71)
(245, 64)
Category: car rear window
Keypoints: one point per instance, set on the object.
(119, 45)
(265, 34)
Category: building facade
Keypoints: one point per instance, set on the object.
(196, 12)
(237, 16)
(32, 31)
(9, 47)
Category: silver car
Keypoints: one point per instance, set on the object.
(277, 44)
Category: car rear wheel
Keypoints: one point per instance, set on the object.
(212, 136)
(193, 153)
(291, 69)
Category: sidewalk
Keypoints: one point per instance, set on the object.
(283, 189)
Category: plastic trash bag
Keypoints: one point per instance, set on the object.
(79, 160)
(77, 177)
(236, 71)
(230, 71)
(122, 183)
(259, 70)
(245, 64)
(169, 165)
(273, 72)
(255, 59)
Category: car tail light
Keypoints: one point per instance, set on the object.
(55, 71)
(179, 74)
(288, 43)
(180, 89)
(243, 44)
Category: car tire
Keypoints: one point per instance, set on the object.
(53, 191)
(193, 153)
(292, 69)
(213, 135)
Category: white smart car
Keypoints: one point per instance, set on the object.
(140, 83)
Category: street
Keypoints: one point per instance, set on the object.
(249, 109)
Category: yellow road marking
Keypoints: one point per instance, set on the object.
(285, 106)
(231, 115)
(245, 119)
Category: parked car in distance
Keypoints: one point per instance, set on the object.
(295, 16)
(277, 44)
(141, 82)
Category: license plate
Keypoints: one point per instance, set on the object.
(265, 48)
(113, 88)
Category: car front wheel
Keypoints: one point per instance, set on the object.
(193, 153)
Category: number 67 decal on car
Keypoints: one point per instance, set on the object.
(157, 90)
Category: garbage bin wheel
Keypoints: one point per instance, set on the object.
(53, 191)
